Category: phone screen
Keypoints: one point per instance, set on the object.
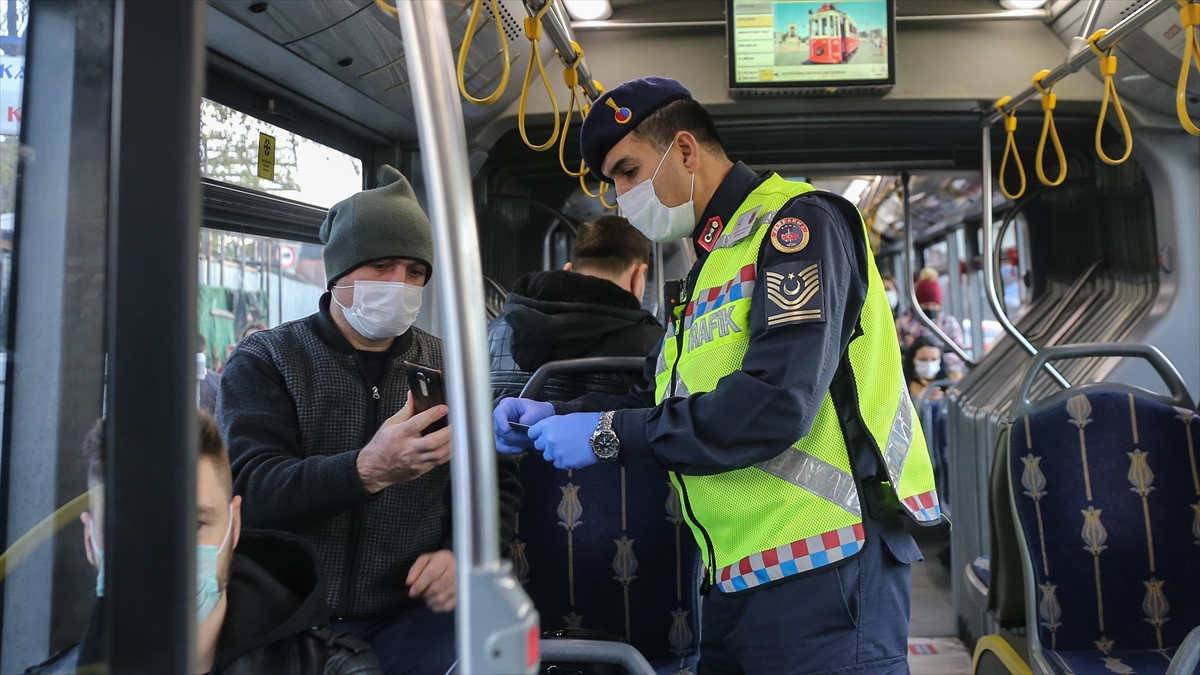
(428, 390)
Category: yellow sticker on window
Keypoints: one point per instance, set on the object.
(266, 156)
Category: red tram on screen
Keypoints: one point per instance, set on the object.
(832, 35)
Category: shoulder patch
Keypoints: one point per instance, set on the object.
(789, 235)
(794, 294)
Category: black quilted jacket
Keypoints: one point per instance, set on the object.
(276, 605)
(552, 316)
(295, 411)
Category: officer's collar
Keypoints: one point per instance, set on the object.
(729, 195)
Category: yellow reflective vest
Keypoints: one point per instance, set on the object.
(802, 509)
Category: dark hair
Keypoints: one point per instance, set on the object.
(609, 244)
(686, 114)
(258, 325)
(212, 446)
(910, 355)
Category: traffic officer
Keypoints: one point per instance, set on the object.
(776, 401)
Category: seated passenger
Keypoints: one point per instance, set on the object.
(260, 596)
(929, 296)
(922, 367)
(325, 444)
(893, 292)
(590, 308)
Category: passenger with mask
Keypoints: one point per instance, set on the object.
(325, 442)
(909, 328)
(892, 291)
(776, 401)
(260, 596)
(923, 361)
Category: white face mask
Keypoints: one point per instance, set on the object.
(651, 217)
(893, 298)
(928, 369)
(382, 309)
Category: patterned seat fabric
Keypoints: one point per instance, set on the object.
(1107, 494)
(607, 549)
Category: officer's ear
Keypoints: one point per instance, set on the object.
(687, 144)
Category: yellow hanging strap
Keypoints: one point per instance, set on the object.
(47, 528)
(533, 31)
(1108, 68)
(1010, 148)
(571, 76)
(468, 37)
(1049, 100)
(1189, 16)
(387, 8)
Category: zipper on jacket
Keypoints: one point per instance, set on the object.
(350, 573)
(711, 578)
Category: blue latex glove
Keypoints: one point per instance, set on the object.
(512, 441)
(566, 440)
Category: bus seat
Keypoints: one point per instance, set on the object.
(606, 548)
(1005, 584)
(1106, 497)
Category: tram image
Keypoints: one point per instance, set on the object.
(542, 337)
(832, 35)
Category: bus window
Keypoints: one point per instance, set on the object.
(249, 283)
(303, 169)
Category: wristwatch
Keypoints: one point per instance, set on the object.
(605, 443)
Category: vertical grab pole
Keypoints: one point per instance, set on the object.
(495, 624)
(909, 252)
(989, 260)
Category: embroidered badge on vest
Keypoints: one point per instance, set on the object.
(789, 235)
(712, 230)
(794, 294)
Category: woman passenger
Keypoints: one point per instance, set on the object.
(923, 366)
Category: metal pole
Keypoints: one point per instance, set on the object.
(989, 261)
(494, 619)
(956, 306)
(909, 252)
(1089, 19)
(660, 306)
(1128, 25)
(558, 28)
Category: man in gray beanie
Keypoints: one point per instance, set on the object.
(324, 443)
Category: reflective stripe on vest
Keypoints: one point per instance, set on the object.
(800, 510)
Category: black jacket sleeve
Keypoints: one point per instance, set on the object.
(281, 490)
(640, 395)
(755, 413)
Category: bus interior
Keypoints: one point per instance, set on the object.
(1076, 272)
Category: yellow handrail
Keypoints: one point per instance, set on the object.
(533, 31)
(1010, 147)
(1108, 68)
(468, 37)
(1049, 100)
(48, 527)
(571, 77)
(1189, 16)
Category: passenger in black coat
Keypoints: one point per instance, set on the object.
(592, 308)
(265, 611)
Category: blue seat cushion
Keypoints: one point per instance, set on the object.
(608, 549)
(685, 666)
(981, 570)
(1108, 504)
(1141, 662)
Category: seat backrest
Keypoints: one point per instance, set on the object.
(1006, 583)
(1107, 497)
(606, 548)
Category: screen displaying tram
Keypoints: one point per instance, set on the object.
(785, 43)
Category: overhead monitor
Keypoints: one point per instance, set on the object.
(792, 46)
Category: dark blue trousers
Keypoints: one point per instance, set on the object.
(416, 642)
(851, 619)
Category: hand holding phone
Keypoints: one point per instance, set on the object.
(427, 389)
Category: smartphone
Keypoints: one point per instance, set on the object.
(428, 390)
(520, 427)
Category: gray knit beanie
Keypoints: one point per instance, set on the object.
(386, 222)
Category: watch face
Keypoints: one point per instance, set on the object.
(606, 446)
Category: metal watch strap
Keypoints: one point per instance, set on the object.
(606, 421)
